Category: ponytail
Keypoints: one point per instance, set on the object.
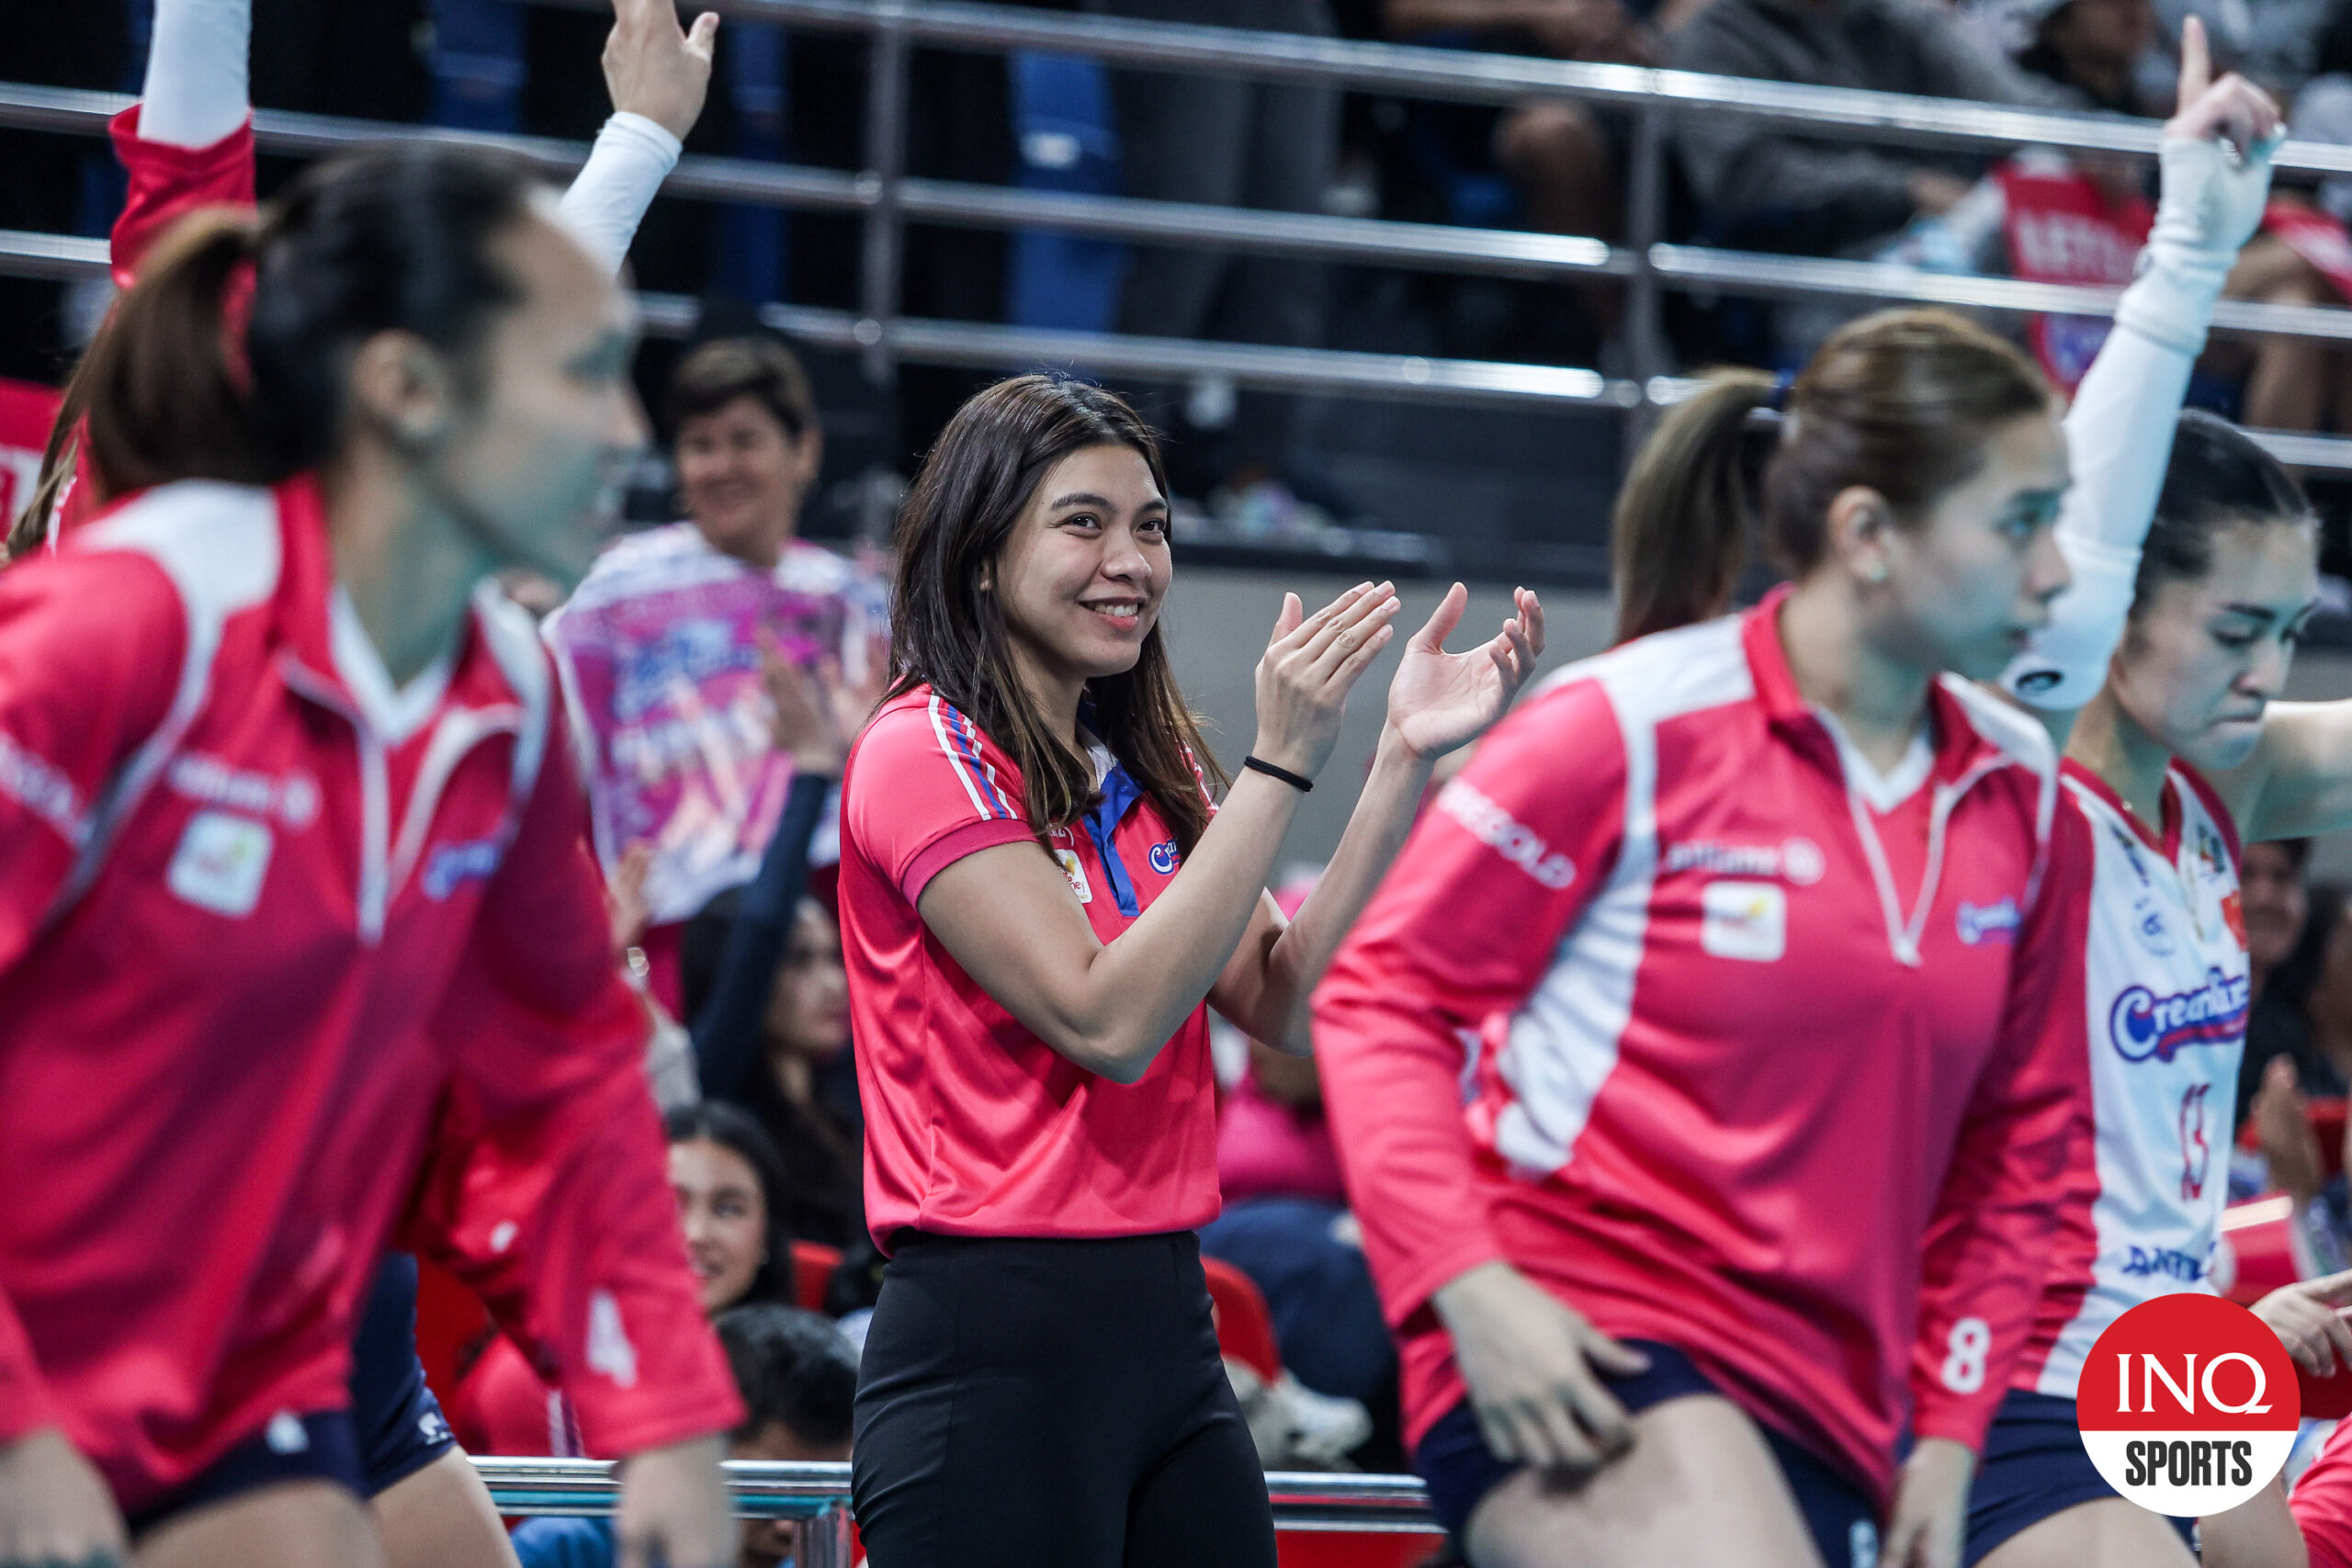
(1678, 539)
(1901, 402)
(159, 397)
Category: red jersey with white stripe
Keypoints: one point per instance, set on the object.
(283, 952)
(974, 1126)
(2156, 1011)
(1746, 1020)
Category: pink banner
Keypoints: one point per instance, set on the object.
(661, 650)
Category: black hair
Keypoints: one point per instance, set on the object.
(723, 1125)
(794, 1368)
(2219, 476)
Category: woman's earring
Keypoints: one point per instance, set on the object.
(1876, 572)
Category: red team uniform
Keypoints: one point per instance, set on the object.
(259, 916)
(974, 1126)
(1679, 1007)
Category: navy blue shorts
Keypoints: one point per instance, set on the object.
(2034, 1466)
(1459, 1470)
(291, 1448)
(399, 1422)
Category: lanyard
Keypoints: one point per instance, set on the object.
(1118, 791)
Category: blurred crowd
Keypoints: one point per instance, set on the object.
(1546, 164)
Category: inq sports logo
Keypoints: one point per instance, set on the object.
(2188, 1404)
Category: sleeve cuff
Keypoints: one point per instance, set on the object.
(1963, 1421)
(655, 135)
(954, 845)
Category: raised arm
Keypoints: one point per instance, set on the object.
(658, 73)
(2118, 431)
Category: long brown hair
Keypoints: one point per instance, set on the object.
(1901, 402)
(173, 387)
(947, 630)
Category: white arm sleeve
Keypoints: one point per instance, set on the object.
(195, 90)
(2119, 432)
(632, 156)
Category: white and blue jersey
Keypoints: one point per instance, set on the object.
(2160, 1021)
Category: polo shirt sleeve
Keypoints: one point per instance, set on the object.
(926, 788)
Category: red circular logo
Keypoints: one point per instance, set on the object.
(2188, 1404)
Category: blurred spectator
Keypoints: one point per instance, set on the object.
(1560, 154)
(727, 1177)
(662, 648)
(763, 978)
(2274, 43)
(2304, 1011)
(798, 1377)
(1763, 188)
(2276, 903)
(1228, 142)
(2096, 51)
(802, 1086)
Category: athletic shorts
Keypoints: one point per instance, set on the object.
(399, 1422)
(1027, 1402)
(393, 1429)
(1459, 1470)
(2034, 1466)
(318, 1447)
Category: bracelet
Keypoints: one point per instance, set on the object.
(1258, 765)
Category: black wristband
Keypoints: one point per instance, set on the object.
(1258, 765)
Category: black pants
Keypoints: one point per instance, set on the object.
(1026, 1402)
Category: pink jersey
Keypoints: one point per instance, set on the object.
(1745, 1019)
(2156, 1011)
(285, 955)
(974, 1126)
(2321, 1502)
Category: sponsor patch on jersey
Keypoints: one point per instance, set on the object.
(1979, 923)
(292, 798)
(1744, 919)
(2233, 916)
(2144, 1025)
(1799, 860)
(2163, 1262)
(1075, 869)
(221, 862)
(2148, 924)
(1499, 831)
(451, 866)
(1164, 858)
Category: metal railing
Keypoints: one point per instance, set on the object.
(888, 200)
(816, 1495)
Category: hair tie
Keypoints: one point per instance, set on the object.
(1777, 399)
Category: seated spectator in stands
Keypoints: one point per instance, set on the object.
(2096, 51)
(2275, 44)
(1557, 152)
(727, 1177)
(2276, 903)
(662, 647)
(799, 1377)
(802, 1089)
(1766, 188)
